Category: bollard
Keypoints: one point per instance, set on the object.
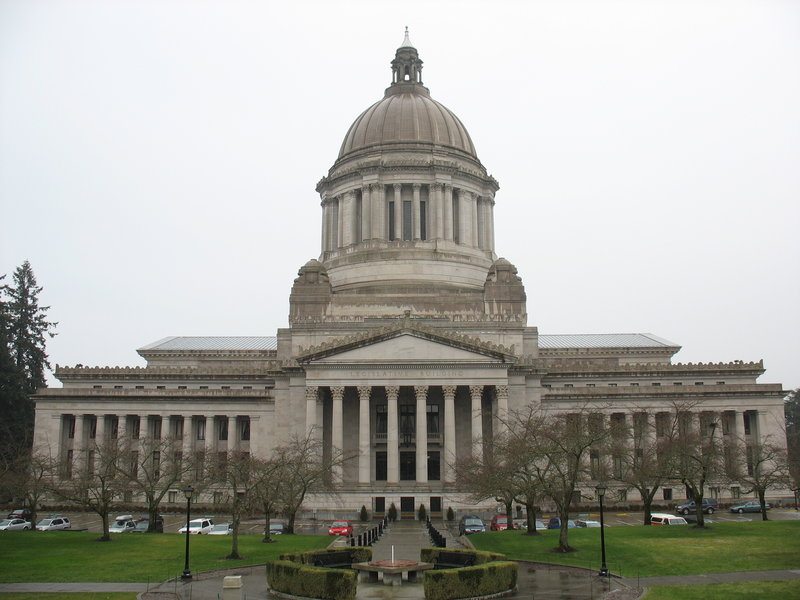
(352, 541)
(232, 587)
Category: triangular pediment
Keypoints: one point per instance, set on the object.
(407, 344)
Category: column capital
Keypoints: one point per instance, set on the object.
(475, 390)
(416, 186)
(397, 186)
(421, 392)
(502, 391)
(337, 392)
(364, 392)
(437, 185)
(312, 393)
(449, 391)
(392, 391)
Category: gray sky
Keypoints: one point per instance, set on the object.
(158, 159)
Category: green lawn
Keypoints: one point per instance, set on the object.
(62, 556)
(757, 590)
(649, 551)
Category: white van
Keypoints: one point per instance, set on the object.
(665, 519)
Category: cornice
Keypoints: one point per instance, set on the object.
(167, 373)
(586, 369)
(661, 393)
(151, 394)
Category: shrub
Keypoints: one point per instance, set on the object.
(467, 582)
(363, 515)
(392, 514)
(430, 554)
(422, 514)
(450, 515)
(311, 582)
(357, 554)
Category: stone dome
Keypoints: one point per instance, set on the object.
(407, 114)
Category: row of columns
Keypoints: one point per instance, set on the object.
(346, 221)
(393, 429)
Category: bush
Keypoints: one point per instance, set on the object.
(467, 582)
(392, 514)
(450, 515)
(311, 582)
(422, 514)
(357, 554)
(430, 554)
(363, 515)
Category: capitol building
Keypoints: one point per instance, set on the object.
(408, 342)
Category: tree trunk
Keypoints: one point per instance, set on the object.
(235, 537)
(106, 537)
(698, 509)
(530, 511)
(761, 494)
(563, 535)
(152, 526)
(290, 524)
(266, 539)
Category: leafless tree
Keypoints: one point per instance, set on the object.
(270, 473)
(239, 476)
(759, 467)
(30, 478)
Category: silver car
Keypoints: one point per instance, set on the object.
(53, 524)
(14, 525)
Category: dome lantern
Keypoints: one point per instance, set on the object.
(406, 66)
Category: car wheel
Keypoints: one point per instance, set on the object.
(711, 511)
(740, 511)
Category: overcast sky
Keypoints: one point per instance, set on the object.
(158, 159)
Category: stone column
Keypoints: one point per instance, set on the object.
(100, 431)
(436, 197)
(464, 218)
(392, 437)
(476, 394)
(188, 437)
(337, 429)
(490, 223)
(449, 432)
(421, 393)
(325, 226)
(348, 219)
(210, 445)
(364, 445)
(398, 211)
(366, 214)
(233, 439)
(501, 391)
(312, 393)
(448, 211)
(379, 225)
(416, 223)
(473, 217)
(340, 210)
(79, 443)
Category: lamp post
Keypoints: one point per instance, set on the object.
(189, 491)
(601, 491)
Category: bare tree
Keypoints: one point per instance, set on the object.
(697, 452)
(760, 467)
(267, 497)
(239, 476)
(151, 467)
(488, 475)
(30, 478)
(93, 481)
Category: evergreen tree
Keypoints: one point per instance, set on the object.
(12, 393)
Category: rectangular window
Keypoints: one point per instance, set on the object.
(698, 383)
(433, 420)
(68, 465)
(677, 383)
(70, 425)
(97, 387)
(408, 424)
(594, 464)
(90, 462)
(655, 384)
(392, 228)
(590, 385)
(113, 430)
(736, 492)
(667, 493)
(222, 425)
(161, 387)
(244, 429)
(436, 506)
(746, 417)
(622, 495)
(156, 464)
(135, 427)
(661, 424)
(200, 428)
(434, 465)
(134, 466)
(217, 497)
(358, 234)
(172, 497)
(634, 385)
(456, 232)
(380, 466)
(749, 457)
(181, 387)
(139, 387)
(617, 462)
(92, 424)
(176, 428)
(715, 492)
(381, 422)
(117, 387)
(612, 385)
(423, 220)
(720, 383)
(380, 506)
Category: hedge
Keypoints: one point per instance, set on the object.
(430, 554)
(357, 554)
(468, 582)
(311, 582)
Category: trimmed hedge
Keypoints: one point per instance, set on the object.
(468, 582)
(311, 582)
(357, 554)
(430, 554)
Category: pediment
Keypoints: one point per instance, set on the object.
(407, 344)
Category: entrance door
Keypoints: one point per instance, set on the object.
(406, 507)
(408, 466)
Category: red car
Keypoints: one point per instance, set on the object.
(340, 528)
(499, 523)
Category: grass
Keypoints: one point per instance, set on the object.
(58, 556)
(650, 551)
(756, 590)
(69, 596)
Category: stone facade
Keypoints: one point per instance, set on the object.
(407, 322)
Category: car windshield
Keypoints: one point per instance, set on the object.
(339, 524)
(46, 522)
(6, 522)
(221, 527)
(473, 522)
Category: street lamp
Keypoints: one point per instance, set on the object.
(601, 491)
(188, 492)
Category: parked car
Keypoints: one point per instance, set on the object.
(340, 528)
(471, 524)
(122, 524)
(753, 506)
(198, 526)
(143, 524)
(665, 519)
(14, 525)
(53, 523)
(499, 523)
(21, 513)
(709, 506)
(555, 523)
(221, 529)
(278, 528)
(587, 523)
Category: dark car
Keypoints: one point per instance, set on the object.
(753, 506)
(20, 513)
(555, 523)
(144, 523)
(709, 506)
(469, 525)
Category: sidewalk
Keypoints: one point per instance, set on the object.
(731, 577)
